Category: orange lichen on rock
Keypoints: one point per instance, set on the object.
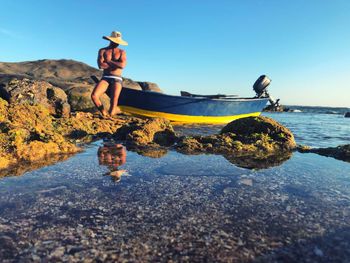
(81, 124)
(30, 133)
(151, 131)
(27, 133)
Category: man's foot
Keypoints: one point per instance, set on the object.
(115, 112)
(103, 112)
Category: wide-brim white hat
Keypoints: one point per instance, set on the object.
(116, 37)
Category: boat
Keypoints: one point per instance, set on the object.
(191, 108)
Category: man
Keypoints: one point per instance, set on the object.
(112, 60)
(112, 155)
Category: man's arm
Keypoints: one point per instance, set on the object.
(121, 63)
(101, 61)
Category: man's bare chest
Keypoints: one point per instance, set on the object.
(112, 54)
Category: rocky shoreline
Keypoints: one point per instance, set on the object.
(41, 122)
(31, 137)
(72, 212)
(30, 134)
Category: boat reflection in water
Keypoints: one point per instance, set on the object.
(112, 155)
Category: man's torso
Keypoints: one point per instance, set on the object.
(112, 54)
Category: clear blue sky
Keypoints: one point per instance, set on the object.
(197, 45)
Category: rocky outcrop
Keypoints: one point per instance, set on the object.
(79, 97)
(244, 136)
(147, 132)
(130, 84)
(82, 125)
(272, 108)
(71, 76)
(36, 92)
(63, 73)
(347, 114)
(341, 152)
(29, 134)
(149, 86)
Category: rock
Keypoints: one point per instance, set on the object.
(3, 110)
(347, 114)
(138, 133)
(130, 84)
(150, 86)
(318, 252)
(62, 73)
(246, 136)
(6, 242)
(37, 92)
(8, 248)
(341, 152)
(79, 98)
(272, 108)
(255, 128)
(246, 181)
(303, 148)
(31, 136)
(58, 252)
(71, 76)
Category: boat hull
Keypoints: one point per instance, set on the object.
(188, 109)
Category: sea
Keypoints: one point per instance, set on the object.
(111, 204)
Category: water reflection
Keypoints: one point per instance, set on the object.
(22, 167)
(112, 155)
(258, 162)
(152, 152)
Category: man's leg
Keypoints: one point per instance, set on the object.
(100, 88)
(116, 88)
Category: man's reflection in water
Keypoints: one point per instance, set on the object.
(112, 155)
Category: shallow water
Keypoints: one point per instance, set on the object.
(103, 205)
(315, 130)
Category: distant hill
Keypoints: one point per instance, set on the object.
(62, 73)
(70, 75)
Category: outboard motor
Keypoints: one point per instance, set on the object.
(260, 87)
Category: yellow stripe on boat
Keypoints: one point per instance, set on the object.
(186, 118)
